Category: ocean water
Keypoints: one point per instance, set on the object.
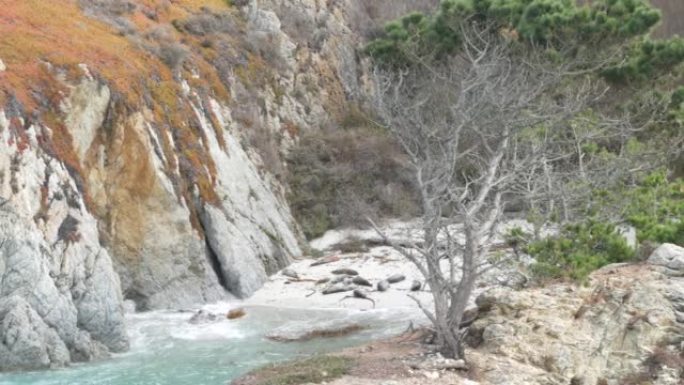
(167, 350)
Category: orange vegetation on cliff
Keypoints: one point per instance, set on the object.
(43, 43)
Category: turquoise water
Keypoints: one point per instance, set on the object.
(167, 350)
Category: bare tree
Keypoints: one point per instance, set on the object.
(481, 129)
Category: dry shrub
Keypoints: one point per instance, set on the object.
(316, 369)
(660, 358)
(112, 12)
(109, 8)
(173, 54)
(209, 23)
(160, 41)
(367, 17)
(341, 176)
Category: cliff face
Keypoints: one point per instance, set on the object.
(141, 148)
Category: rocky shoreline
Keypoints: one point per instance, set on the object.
(625, 326)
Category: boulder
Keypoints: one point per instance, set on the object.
(669, 256)
(26, 341)
(383, 285)
(289, 272)
(396, 278)
(56, 298)
(630, 235)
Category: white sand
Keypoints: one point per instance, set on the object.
(375, 265)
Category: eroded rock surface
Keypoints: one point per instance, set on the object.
(625, 325)
(60, 299)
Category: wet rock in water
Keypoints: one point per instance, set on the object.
(383, 285)
(345, 271)
(290, 273)
(396, 278)
(361, 281)
(236, 313)
(416, 285)
(337, 288)
(203, 316)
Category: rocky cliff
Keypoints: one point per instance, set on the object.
(141, 148)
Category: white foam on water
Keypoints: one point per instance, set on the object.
(220, 330)
(222, 307)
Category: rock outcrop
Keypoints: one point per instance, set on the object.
(624, 328)
(60, 299)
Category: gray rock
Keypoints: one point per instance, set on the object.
(396, 278)
(26, 341)
(670, 257)
(203, 316)
(288, 272)
(241, 267)
(56, 299)
(416, 285)
(383, 285)
(345, 271)
(361, 281)
(629, 234)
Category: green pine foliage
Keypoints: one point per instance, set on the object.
(548, 23)
(578, 250)
(656, 209)
(647, 59)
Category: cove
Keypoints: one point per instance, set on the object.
(167, 350)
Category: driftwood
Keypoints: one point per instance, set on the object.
(324, 260)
